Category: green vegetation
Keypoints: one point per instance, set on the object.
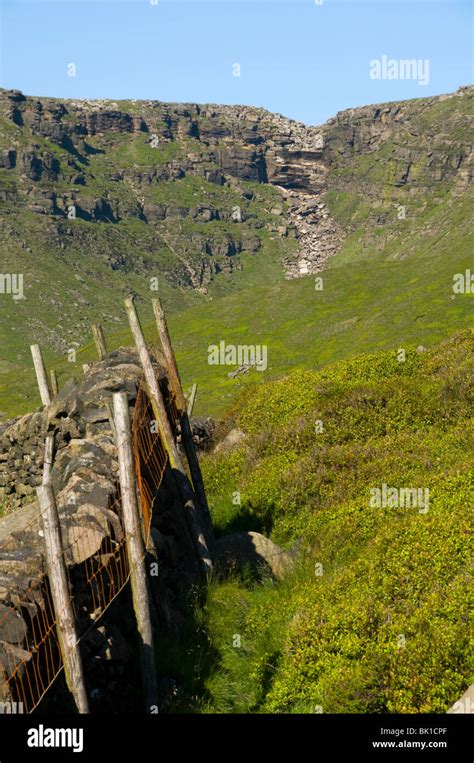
(368, 302)
(375, 615)
(389, 286)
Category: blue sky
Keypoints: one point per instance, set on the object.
(303, 59)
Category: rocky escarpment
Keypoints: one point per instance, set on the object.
(60, 150)
(427, 149)
(99, 198)
(106, 162)
(192, 176)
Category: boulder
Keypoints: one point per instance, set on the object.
(22, 489)
(154, 212)
(83, 542)
(234, 438)
(253, 551)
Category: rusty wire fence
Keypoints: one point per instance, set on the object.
(150, 454)
(97, 566)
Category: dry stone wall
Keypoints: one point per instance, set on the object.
(85, 483)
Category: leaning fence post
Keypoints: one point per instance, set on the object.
(54, 382)
(48, 458)
(99, 340)
(159, 410)
(135, 546)
(41, 377)
(186, 430)
(192, 398)
(61, 599)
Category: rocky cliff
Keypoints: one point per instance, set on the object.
(193, 175)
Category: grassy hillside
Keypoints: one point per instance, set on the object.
(365, 305)
(384, 305)
(378, 302)
(389, 285)
(375, 616)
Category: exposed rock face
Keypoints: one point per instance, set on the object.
(236, 144)
(244, 163)
(94, 122)
(8, 160)
(229, 147)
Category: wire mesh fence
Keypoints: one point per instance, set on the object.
(150, 454)
(97, 569)
(31, 658)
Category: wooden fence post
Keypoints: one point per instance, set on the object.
(192, 398)
(186, 430)
(99, 340)
(110, 414)
(159, 410)
(54, 382)
(41, 377)
(135, 546)
(61, 599)
(48, 458)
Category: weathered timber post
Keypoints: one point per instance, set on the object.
(197, 531)
(110, 414)
(54, 382)
(41, 377)
(48, 458)
(192, 398)
(135, 547)
(186, 431)
(99, 340)
(61, 599)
